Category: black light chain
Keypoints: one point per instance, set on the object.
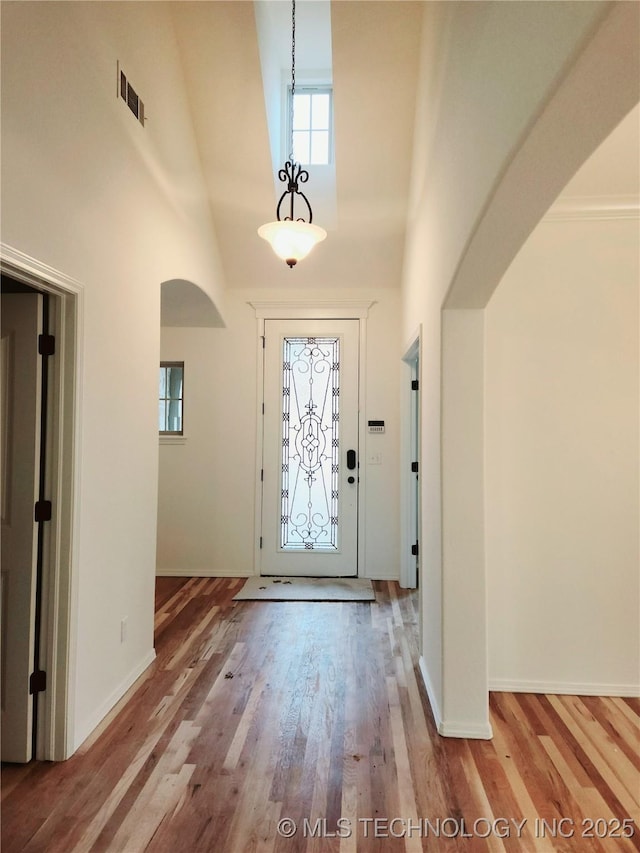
(293, 69)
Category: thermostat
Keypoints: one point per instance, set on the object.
(376, 426)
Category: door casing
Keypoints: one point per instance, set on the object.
(342, 559)
(410, 452)
(303, 310)
(55, 735)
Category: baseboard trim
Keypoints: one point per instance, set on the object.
(469, 731)
(474, 731)
(200, 573)
(115, 696)
(428, 686)
(561, 688)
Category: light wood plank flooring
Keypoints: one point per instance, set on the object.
(260, 719)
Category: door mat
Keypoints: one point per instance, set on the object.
(306, 589)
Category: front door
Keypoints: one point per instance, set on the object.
(310, 449)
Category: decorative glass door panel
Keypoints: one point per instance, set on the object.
(309, 516)
(310, 443)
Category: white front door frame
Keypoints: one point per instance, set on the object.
(310, 493)
(311, 310)
(55, 734)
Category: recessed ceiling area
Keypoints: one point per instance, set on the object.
(313, 57)
(313, 66)
(374, 58)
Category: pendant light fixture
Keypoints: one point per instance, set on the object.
(292, 238)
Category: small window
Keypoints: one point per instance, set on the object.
(170, 410)
(312, 120)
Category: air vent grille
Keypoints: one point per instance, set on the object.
(130, 96)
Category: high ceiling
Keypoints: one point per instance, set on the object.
(375, 48)
(375, 56)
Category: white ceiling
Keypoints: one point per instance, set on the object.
(375, 53)
(375, 59)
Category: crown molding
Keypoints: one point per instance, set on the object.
(576, 208)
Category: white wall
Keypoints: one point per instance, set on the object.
(206, 488)
(206, 507)
(562, 462)
(88, 191)
(496, 81)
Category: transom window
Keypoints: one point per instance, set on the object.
(171, 398)
(312, 125)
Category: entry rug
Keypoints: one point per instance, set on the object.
(306, 589)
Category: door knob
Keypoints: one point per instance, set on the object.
(351, 459)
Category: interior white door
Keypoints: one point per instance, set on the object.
(310, 449)
(20, 393)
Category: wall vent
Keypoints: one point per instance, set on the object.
(130, 96)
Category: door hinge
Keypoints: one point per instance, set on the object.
(37, 681)
(262, 475)
(261, 541)
(263, 341)
(46, 345)
(415, 385)
(43, 511)
(263, 408)
(415, 550)
(414, 467)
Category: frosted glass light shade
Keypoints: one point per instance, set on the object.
(292, 240)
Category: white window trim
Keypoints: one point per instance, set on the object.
(173, 439)
(301, 89)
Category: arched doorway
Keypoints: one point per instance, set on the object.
(595, 94)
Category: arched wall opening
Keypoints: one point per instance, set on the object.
(562, 410)
(183, 303)
(188, 316)
(596, 93)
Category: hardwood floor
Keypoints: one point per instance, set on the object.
(263, 718)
